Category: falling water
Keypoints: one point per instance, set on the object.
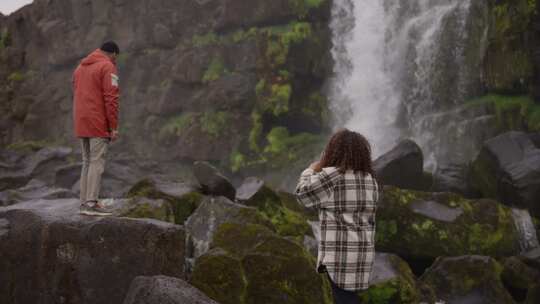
(528, 239)
(401, 64)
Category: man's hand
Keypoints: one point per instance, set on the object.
(114, 135)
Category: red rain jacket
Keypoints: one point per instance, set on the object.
(96, 94)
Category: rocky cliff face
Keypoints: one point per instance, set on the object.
(221, 80)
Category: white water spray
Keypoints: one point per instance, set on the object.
(399, 64)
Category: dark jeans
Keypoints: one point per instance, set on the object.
(342, 296)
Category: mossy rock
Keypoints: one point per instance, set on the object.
(220, 276)
(508, 65)
(255, 193)
(290, 202)
(519, 277)
(282, 280)
(428, 225)
(392, 282)
(467, 279)
(213, 212)
(182, 198)
(239, 240)
(272, 269)
(141, 207)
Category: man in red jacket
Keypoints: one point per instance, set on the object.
(95, 116)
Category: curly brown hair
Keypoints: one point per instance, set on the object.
(348, 150)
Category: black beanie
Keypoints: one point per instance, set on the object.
(110, 47)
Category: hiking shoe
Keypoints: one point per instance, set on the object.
(96, 210)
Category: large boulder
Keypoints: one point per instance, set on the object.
(182, 198)
(467, 279)
(211, 214)
(403, 167)
(51, 254)
(38, 165)
(508, 169)
(392, 281)
(164, 290)
(519, 277)
(453, 177)
(423, 225)
(35, 189)
(288, 217)
(251, 264)
(212, 182)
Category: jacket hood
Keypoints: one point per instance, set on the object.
(95, 56)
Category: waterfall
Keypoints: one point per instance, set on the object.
(400, 64)
(528, 239)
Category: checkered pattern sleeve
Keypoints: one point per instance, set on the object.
(314, 187)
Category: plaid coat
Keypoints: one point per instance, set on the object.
(346, 204)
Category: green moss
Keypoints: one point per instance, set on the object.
(184, 206)
(279, 40)
(484, 227)
(28, 146)
(5, 39)
(513, 112)
(176, 126)
(215, 70)
(281, 143)
(214, 123)
(290, 223)
(16, 77)
(273, 98)
(302, 7)
(200, 41)
(239, 239)
(255, 132)
(181, 207)
(399, 290)
(152, 211)
(221, 277)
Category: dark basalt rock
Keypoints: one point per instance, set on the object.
(51, 254)
(39, 165)
(164, 290)
(212, 182)
(403, 167)
(467, 279)
(35, 189)
(508, 169)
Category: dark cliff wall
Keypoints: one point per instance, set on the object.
(232, 81)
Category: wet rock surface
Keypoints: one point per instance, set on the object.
(212, 182)
(467, 279)
(50, 254)
(213, 212)
(164, 290)
(508, 169)
(428, 225)
(403, 166)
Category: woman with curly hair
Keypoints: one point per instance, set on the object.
(343, 188)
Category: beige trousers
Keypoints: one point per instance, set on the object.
(93, 155)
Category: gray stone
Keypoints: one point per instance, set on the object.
(249, 188)
(51, 254)
(35, 189)
(39, 165)
(212, 182)
(164, 290)
(213, 212)
(66, 176)
(437, 211)
(483, 283)
(403, 166)
(508, 169)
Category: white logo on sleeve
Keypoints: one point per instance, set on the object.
(114, 80)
